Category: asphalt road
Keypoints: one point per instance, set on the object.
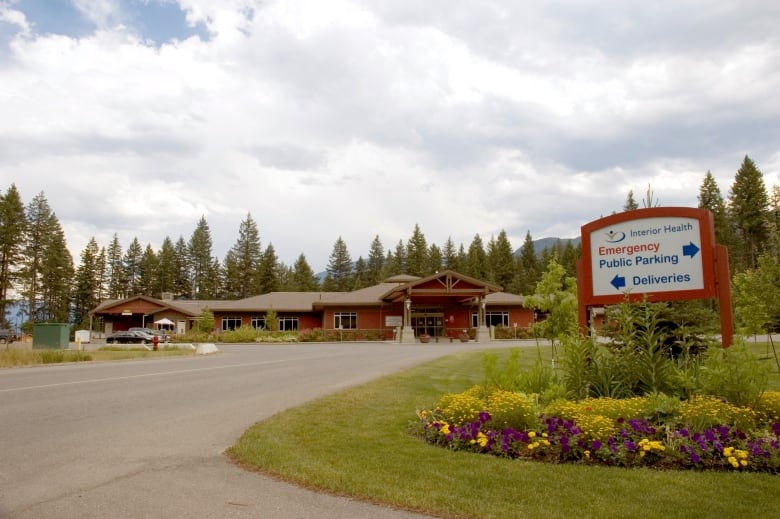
(145, 438)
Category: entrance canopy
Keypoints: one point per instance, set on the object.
(442, 287)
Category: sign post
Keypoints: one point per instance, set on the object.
(655, 254)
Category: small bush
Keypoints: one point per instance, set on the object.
(462, 408)
(510, 409)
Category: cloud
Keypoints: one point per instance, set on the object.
(363, 118)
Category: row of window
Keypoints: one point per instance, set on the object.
(349, 321)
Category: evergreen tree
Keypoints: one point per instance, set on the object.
(391, 267)
(630, 204)
(376, 262)
(303, 279)
(56, 276)
(268, 276)
(417, 261)
(182, 284)
(148, 273)
(476, 260)
(400, 259)
(87, 287)
(711, 199)
(748, 203)
(528, 269)
(359, 278)
(245, 257)
(166, 268)
(201, 263)
(435, 260)
(132, 267)
(449, 255)
(41, 226)
(339, 268)
(569, 257)
(13, 226)
(117, 280)
(501, 260)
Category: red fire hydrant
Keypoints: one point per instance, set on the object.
(155, 342)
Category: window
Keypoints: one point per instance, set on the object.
(345, 320)
(497, 318)
(288, 324)
(491, 319)
(231, 323)
(258, 322)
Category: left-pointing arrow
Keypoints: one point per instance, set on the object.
(690, 250)
(618, 282)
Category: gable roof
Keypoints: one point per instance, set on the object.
(445, 284)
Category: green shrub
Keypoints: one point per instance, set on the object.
(734, 374)
(239, 335)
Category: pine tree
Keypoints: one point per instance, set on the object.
(417, 260)
(501, 260)
(359, 278)
(245, 257)
(528, 269)
(450, 255)
(711, 199)
(148, 273)
(268, 277)
(13, 225)
(117, 280)
(476, 262)
(201, 263)
(87, 282)
(748, 204)
(166, 268)
(339, 268)
(435, 259)
(56, 276)
(132, 267)
(303, 279)
(630, 204)
(376, 262)
(41, 226)
(182, 284)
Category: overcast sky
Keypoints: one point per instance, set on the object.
(362, 118)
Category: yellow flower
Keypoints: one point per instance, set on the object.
(734, 462)
(741, 454)
(482, 439)
(743, 463)
(445, 429)
(728, 451)
(532, 434)
(587, 455)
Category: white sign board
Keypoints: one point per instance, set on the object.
(647, 255)
(394, 321)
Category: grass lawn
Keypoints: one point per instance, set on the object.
(11, 357)
(355, 443)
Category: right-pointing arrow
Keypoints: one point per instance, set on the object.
(618, 282)
(690, 250)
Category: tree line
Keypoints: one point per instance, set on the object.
(37, 271)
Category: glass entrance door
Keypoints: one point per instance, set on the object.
(428, 320)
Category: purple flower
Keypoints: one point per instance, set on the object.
(709, 434)
(596, 445)
(484, 416)
(684, 433)
(630, 446)
(695, 458)
(776, 428)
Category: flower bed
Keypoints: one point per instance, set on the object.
(702, 433)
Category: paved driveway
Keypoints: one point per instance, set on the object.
(145, 438)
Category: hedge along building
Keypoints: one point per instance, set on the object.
(402, 308)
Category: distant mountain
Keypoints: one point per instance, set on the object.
(548, 243)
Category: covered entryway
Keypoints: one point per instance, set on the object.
(440, 304)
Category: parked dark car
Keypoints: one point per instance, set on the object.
(6, 336)
(164, 337)
(130, 337)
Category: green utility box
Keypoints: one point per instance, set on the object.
(52, 336)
